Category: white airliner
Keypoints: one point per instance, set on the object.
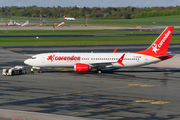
(83, 62)
(25, 24)
(61, 24)
(12, 23)
(68, 19)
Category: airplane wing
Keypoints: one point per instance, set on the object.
(101, 64)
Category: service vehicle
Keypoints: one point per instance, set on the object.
(17, 70)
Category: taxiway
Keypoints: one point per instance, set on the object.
(144, 93)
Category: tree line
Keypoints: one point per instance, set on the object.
(94, 12)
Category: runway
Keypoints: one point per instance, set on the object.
(144, 93)
(174, 48)
(72, 27)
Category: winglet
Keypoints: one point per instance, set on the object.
(121, 59)
(115, 50)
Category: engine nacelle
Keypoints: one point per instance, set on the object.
(79, 67)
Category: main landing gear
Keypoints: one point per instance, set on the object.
(39, 71)
(99, 70)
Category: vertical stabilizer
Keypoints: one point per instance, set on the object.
(160, 45)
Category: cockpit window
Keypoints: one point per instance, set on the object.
(32, 58)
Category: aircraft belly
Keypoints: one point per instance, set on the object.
(54, 63)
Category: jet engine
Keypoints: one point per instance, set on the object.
(79, 67)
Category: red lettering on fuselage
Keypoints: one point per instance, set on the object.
(51, 57)
(65, 58)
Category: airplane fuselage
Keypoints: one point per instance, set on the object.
(68, 19)
(106, 59)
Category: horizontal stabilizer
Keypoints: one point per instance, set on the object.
(164, 57)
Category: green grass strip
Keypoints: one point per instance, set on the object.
(81, 40)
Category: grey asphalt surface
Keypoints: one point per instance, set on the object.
(81, 28)
(153, 28)
(144, 93)
(61, 28)
(174, 48)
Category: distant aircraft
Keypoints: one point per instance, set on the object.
(25, 24)
(61, 24)
(83, 62)
(68, 19)
(16, 23)
(10, 23)
(13, 23)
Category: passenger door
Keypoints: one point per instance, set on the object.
(43, 58)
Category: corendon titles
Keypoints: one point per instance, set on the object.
(164, 39)
(65, 58)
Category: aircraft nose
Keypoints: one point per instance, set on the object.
(26, 62)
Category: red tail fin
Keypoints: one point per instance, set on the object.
(160, 45)
(64, 16)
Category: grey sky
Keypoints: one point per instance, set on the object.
(90, 3)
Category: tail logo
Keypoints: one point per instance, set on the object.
(164, 39)
(155, 48)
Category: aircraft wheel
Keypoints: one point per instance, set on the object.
(13, 73)
(99, 70)
(40, 71)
